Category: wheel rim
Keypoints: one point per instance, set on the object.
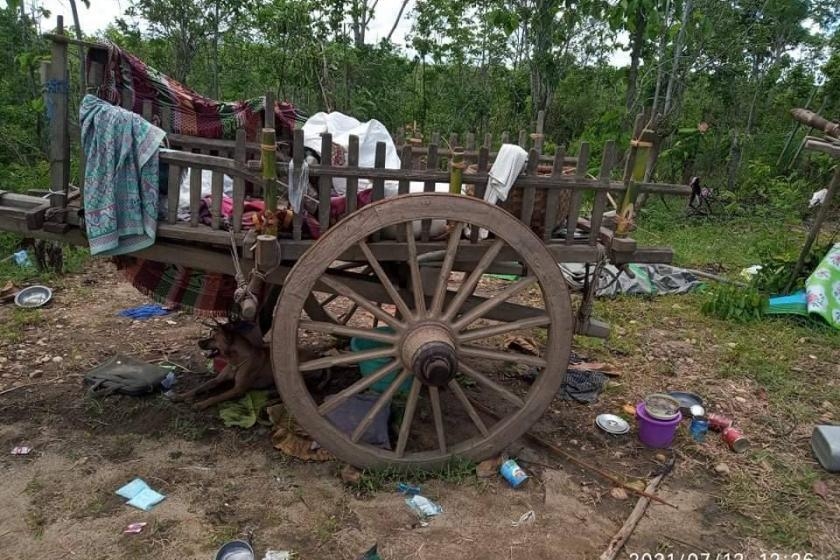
(429, 339)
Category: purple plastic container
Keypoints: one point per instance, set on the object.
(656, 433)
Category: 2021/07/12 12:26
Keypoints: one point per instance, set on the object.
(721, 556)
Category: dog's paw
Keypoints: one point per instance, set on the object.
(203, 405)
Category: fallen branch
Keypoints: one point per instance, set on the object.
(612, 478)
(545, 444)
(629, 526)
(715, 277)
(19, 387)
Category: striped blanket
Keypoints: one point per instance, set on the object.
(128, 81)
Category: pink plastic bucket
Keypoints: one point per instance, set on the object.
(653, 432)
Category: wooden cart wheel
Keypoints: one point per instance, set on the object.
(434, 340)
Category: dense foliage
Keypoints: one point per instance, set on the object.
(489, 66)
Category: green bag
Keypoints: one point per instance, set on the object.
(126, 375)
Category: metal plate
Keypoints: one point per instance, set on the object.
(612, 424)
(33, 296)
(687, 400)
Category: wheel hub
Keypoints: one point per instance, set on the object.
(429, 352)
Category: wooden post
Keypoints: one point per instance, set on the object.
(325, 183)
(268, 143)
(58, 88)
(429, 186)
(538, 135)
(353, 182)
(404, 185)
(239, 155)
(552, 197)
(297, 159)
(600, 203)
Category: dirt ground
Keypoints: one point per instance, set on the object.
(222, 483)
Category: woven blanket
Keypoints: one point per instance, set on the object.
(128, 81)
(204, 294)
(121, 178)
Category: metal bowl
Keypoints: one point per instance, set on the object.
(235, 550)
(33, 296)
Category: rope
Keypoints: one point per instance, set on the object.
(241, 285)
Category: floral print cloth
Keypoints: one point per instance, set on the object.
(121, 177)
(823, 288)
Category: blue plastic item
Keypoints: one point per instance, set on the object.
(140, 495)
(513, 473)
(698, 429)
(369, 367)
(22, 258)
(142, 312)
(407, 489)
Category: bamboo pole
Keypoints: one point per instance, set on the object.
(268, 149)
(456, 170)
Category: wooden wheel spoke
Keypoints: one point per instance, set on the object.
(345, 318)
(465, 402)
(408, 416)
(343, 330)
(329, 299)
(386, 282)
(361, 301)
(414, 266)
(471, 282)
(383, 400)
(434, 396)
(446, 268)
(358, 387)
(485, 381)
(488, 354)
(504, 328)
(347, 358)
(488, 304)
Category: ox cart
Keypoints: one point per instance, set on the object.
(432, 308)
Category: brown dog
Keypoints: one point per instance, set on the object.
(249, 363)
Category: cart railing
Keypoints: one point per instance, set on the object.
(546, 179)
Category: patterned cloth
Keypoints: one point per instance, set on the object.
(205, 294)
(126, 76)
(121, 178)
(823, 288)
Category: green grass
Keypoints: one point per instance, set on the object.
(74, 261)
(11, 330)
(734, 244)
(457, 471)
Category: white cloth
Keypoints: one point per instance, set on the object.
(206, 190)
(818, 198)
(341, 127)
(508, 165)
